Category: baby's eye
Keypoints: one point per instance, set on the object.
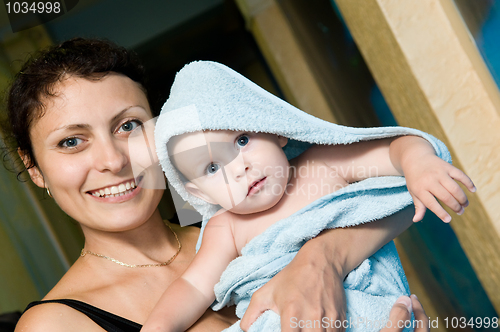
(70, 142)
(129, 126)
(212, 168)
(242, 140)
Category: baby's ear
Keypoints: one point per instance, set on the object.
(34, 172)
(283, 141)
(195, 191)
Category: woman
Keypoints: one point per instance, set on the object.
(71, 110)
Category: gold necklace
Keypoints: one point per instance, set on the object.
(85, 252)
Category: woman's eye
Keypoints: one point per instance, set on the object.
(71, 142)
(242, 140)
(212, 168)
(129, 126)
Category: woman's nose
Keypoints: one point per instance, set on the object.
(111, 156)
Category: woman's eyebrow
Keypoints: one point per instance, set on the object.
(87, 126)
(72, 126)
(117, 116)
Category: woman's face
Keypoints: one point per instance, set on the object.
(80, 145)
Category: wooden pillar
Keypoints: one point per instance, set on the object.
(434, 79)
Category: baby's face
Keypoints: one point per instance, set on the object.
(242, 172)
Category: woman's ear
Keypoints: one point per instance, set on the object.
(283, 141)
(34, 172)
(195, 191)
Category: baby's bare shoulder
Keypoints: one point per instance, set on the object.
(224, 218)
(337, 155)
(316, 154)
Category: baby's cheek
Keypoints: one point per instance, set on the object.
(281, 172)
(236, 193)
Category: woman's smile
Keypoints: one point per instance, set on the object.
(90, 137)
(118, 193)
(114, 190)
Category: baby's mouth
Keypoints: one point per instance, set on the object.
(121, 189)
(256, 186)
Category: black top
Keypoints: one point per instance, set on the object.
(108, 321)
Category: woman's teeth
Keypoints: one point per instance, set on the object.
(114, 191)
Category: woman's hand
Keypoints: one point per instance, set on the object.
(309, 288)
(401, 315)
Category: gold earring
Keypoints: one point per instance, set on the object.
(48, 192)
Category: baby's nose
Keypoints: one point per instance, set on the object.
(240, 171)
(238, 166)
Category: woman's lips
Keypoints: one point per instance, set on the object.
(119, 189)
(123, 196)
(256, 186)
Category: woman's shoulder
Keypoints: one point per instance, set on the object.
(185, 230)
(54, 317)
(186, 233)
(188, 236)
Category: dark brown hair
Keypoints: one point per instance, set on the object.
(86, 58)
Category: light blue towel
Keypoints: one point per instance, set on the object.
(209, 96)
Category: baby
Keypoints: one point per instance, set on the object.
(252, 183)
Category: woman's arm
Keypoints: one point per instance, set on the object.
(311, 286)
(215, 321)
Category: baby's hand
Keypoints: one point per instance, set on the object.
(429, 177)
